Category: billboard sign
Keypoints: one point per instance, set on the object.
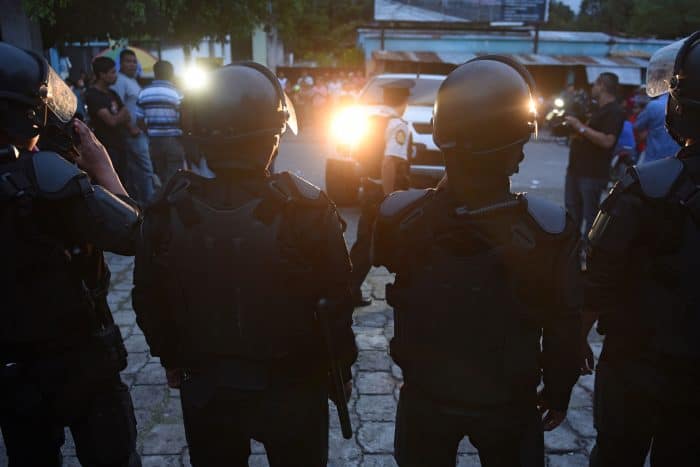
(459, 11)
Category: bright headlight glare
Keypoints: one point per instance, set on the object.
(532, 107)
(195, 78)
(349, 126)
(559, 102)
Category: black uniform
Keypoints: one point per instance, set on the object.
(474, 293)
(226, 288)
(60, 352)
(645, 254)
(644, 261)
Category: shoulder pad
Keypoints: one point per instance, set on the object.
(656, 178)
(399, 201)
(550, 216)
(299, 187)
(53, 172)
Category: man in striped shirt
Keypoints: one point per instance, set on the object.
(159, 109)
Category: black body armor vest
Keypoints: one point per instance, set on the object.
(246, 287)
(466, 296)
(666, 296)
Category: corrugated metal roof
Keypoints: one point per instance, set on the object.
(525, 59)
(574, 36)
(551, 36)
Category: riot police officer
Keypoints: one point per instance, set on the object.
(645, 252)
(382, 173)
(482, 275)
(60, 351)
(227, 285)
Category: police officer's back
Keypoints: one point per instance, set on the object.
(227, 285)
(644, 258)
(481, 275)
(60, 351)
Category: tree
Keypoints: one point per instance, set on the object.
(308, 27)
(561, 16)
(610, 16)
(183, 20)
(659, 18)
(665, 18)
(323, 30)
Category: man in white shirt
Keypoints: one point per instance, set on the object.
(139, 166)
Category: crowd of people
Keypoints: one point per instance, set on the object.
(314, 97)
(140, 127)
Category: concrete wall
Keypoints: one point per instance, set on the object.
(259, 43)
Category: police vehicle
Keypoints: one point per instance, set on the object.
(354, 137)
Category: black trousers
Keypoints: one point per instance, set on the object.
(641, 407)
(99, 414)
(428, 434)
(290, 420)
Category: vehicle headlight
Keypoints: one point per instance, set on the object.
(196, 78)
(349, 126)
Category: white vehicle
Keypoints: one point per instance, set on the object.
(349, 127)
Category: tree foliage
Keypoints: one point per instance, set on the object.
(561, 16)
(182, 20)
(658, 18)
(309, 28)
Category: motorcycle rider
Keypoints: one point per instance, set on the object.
(60, 351)
(644, 256)
(481, 275)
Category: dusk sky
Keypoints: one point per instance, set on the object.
(574, 4)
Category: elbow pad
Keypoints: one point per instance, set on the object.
(117, 221)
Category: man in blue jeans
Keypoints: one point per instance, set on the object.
(591, 151)
(139, 167)
(159, 107)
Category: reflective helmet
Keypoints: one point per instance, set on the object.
(676, 69)
(484, 106)
(237, 117)
(32, 95)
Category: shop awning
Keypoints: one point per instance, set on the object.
(627, 68)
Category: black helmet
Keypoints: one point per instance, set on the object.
(484, 106)
(32, 95)
(238, 116)
(676, 69)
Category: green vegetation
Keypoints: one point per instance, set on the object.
(666, 19)
(322, 30)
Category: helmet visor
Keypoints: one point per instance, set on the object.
(60, 100)
(660, 69)
(292, 119)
